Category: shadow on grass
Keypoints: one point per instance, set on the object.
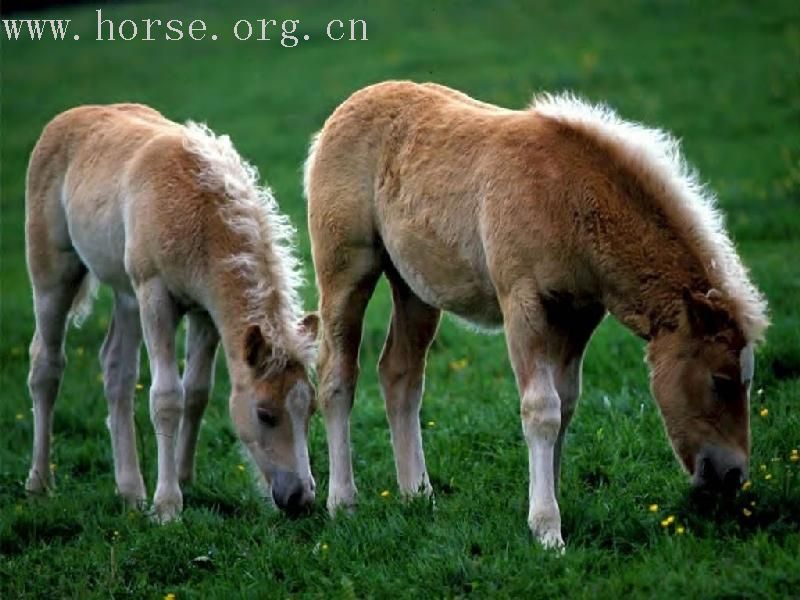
(748, 513)
(768, 506)
(29, 528)
(223, 502)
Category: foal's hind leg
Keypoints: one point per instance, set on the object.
(202, 340)
(575, 327)
(119, 357)
(160, 316)
(54, 290)
(346, 282)
(402, 372)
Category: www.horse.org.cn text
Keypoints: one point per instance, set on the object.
(286, 32)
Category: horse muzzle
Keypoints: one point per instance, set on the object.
(291, 494)
(720, 470)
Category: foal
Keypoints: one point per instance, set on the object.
(173, 220)
(537, 221)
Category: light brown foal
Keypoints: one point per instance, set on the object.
(173, 220)
(537, 221)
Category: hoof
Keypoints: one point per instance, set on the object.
(421, 490)
(165, 514)
(37, 484)
(134, 501)
(551, 540)
(133, 493)
(341, 503)
(546, 527)
(167, 507)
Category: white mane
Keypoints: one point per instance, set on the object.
(655, 156)
(267, 257)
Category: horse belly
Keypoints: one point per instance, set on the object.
(97, 231)
(442, 276)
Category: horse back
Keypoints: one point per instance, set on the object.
(103, 180)
(466, 197)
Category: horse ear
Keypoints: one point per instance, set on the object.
(703, 313)
(309, 326)
(256, 351)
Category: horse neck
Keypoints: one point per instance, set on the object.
(644, 290)
(233, 314)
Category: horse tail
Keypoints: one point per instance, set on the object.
(82, 304)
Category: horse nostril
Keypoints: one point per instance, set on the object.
(733, 479)
(707, 473)
(295, 501)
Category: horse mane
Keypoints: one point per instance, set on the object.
(654, 157)
(267, 256)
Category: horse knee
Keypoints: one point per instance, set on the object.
(166, 406)
(541, 415)
(336, 396)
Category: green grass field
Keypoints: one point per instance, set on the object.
(722, 76)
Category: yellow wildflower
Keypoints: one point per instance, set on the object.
(385, 494)
(795, 455)
(747, 485)
(324, 547)
(240, 467)
(139, 387)
(458, 365)
(668, 521)
(653, 508)
(20, 416)
(169, 596)
(746, 512)
(680, 530)
(764, 412)
(763, 467)
(768, 476)
(431, 423)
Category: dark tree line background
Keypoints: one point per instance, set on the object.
(9, 7)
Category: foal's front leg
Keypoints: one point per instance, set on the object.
(344, 293)
(402, 373)
(160, 317)
(526, 336)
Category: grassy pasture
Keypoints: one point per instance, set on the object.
(722, 76)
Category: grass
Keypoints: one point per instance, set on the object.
(723, 76)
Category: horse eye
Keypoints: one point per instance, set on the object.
(725, 388)
(267, 417)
